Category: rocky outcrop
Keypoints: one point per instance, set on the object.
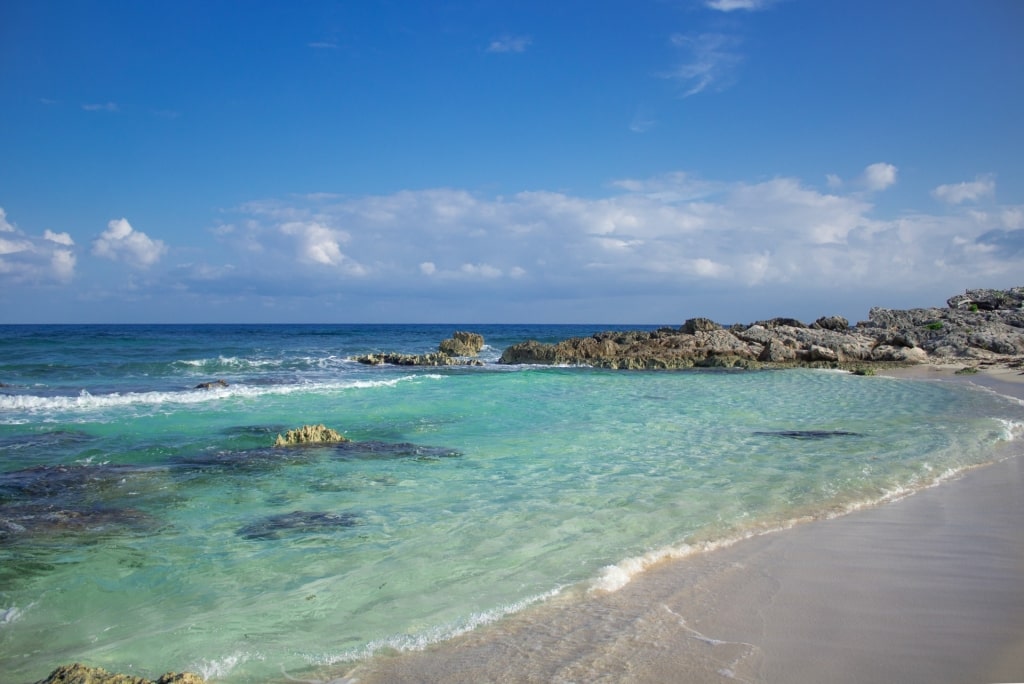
(462, 344)
(83, 674)
(213, 384)
(451, 352)
(979, 326)
(429, 359)
(310, 434)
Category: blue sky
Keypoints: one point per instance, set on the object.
(558, 161)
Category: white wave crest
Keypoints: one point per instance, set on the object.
(614, 577)
(85, 401)
(435, 635)
(220, 668)
(9, 615)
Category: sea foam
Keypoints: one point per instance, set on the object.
(85, 401)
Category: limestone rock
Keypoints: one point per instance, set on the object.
(429, 359)
(695, 325)
(462, 344)
(84, 674)
(310, 434)
(836, 323)
(988, 300)
(980, 325)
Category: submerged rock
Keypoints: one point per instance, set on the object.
(310, 434)
(243, 461)
(809, 434)
(51, 481)
(27, 522)
(297, 522)
(84, 674)
(376, 450)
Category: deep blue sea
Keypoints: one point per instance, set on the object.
(147, 525)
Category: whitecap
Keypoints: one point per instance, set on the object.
(85, 401)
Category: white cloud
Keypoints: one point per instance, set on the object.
(29, 258)
(879, 176)
(14, 246)
(1013, 217)
(509, 44)
(62, 263)
(108, 107)
(320, 244)
(120, 242)
(59, 238)
(712, 61)
(5, 227)
(731, 5)
(958, 193)
(649, 237)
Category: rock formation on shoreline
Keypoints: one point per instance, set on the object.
(980, 326)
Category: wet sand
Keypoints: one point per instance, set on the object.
(926, 589)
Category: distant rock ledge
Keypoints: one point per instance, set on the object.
(980, 326)
(454, 351)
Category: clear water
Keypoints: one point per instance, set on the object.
(148, 526)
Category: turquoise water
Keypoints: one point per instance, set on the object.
(148, 526)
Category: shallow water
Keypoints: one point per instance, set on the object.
(148, 526)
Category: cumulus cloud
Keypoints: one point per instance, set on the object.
(509, 44)
(879, 176)
(121, 242)
(32, 258)
(59, 238)
(972, 191)
(711, 61)
(645, 237)
(62, 264)
(320, 244)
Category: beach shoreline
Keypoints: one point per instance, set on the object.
(923, 589)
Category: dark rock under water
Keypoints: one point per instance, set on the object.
(381, 450)
(63, 482)
(33, 521)
(297, 522)
(809, 434)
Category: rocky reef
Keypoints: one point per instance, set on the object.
(457, 350)
(83, 674)
(979, 326)
(310, 434)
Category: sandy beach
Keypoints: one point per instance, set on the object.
(924, 589)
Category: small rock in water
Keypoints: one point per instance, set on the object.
(297, 522)
(310, 434)
(213, 384)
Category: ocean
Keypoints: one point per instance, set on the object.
(149, 525)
